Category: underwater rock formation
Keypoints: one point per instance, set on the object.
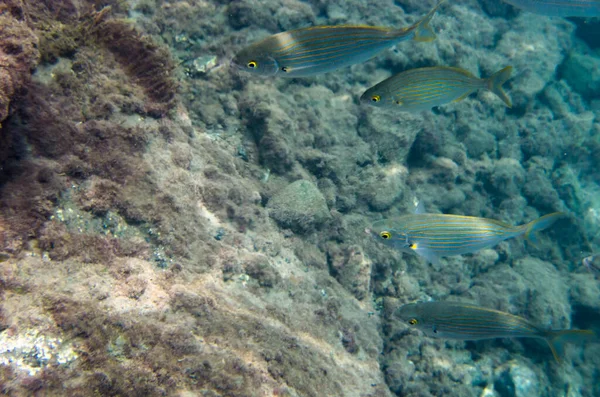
(582, 72)
(300, 206)
(170, 226)
(147, 63)
(18, 53)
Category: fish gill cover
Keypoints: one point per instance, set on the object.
(171, 225)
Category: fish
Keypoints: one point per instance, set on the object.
(320, 49)
(592, 263)
(456, 320)
(433, 236)
(423, 88)
(559, 8)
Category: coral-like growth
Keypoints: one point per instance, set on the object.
(149, 64)
(67, 27)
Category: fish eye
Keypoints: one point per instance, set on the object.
(413, 321)
(385, 235)
(375, 98)
(252, 64)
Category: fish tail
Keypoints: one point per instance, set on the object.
(557, 339)
(423, 31)
(495, 82)
(539, 224)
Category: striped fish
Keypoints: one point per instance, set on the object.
(421, 89)
(433, 236)
(321, 49)
(559, 8)
(454, 320)
(592, 263)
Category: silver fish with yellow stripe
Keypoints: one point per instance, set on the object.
(433, 236)
(421, 89)
(559, 8)
(321, 49)
(455, 320)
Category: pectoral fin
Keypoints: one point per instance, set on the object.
(428, 254)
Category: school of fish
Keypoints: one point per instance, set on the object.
(315, 50)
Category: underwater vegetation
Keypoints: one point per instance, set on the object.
(18, 54)
(185, 188)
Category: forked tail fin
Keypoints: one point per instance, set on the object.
(495, 81)
(423, 31)
(557, 339)
(531, 228)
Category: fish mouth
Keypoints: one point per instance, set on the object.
(368, 231)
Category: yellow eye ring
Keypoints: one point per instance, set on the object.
(413, 321)
(252, 64)
(385, 235)
(375, 98)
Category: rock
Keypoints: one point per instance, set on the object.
(18, 55)
(548, 305)
(516, 380)
(538, 188)
(582, 72)
(300, 206)
(535, 59)
(479, 142)
(506, 177)
(260, 269)
(351, 267)
(391, 134)
(382, 189)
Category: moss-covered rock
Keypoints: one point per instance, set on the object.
(18, 53)
(300, 207)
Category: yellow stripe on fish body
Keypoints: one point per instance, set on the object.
(423, 88)
(320, 49)
(436, 235)
(455, 320)
(462, 321)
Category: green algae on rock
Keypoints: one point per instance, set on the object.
(300, 206)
